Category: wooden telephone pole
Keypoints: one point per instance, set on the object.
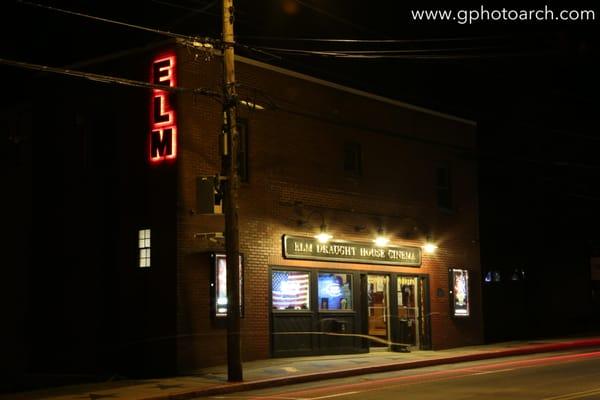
(230, 200)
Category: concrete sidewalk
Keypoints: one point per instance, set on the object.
(282, 371)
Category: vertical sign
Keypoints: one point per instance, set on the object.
(163, 134)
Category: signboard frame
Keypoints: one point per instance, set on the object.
(308, 248)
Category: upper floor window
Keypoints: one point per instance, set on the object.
(353, 158)
(443, 185)
(144, 248)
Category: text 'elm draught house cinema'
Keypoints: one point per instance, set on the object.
(325, 170)
(357, 217)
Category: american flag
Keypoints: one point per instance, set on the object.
(290, 290)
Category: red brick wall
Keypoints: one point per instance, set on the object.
(294, 159)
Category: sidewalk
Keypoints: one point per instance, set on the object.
(282, 371)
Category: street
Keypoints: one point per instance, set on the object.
(558, 376)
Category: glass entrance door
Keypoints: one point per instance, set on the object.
(409, 310)
(378, 310)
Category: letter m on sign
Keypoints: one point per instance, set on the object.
(163, 144)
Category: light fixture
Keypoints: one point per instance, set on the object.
(381, 240)
(429, 247)
(323, 236)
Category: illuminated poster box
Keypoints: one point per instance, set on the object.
(219, 285)
(459, 292)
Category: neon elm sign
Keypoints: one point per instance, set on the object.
(163, 136)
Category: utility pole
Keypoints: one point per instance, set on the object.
(230, 201)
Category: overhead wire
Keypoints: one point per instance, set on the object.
(189, 40)
(355, 54)
(396, 54)
(334, 17)
(400, 51)
(121, 23)
(109, 79)
(467, 153)
(373, 41)
(196, 41)
(194, 10)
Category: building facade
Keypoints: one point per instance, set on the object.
(316, 157)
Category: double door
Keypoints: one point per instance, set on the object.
(410, 310)
(396, 310)
(378, 310)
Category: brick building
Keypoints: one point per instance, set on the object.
(140, 278)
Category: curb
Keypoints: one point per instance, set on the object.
(397, 366)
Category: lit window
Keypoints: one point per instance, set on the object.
(144, 248)
(290, 290)
(335, 291)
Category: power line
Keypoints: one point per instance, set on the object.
(108, 79)
(375, 54)
(333, 16)
(373, 41)
(277, 105)
(118, 54)
(193, 13)
(467, 153)
(405, 51)
(126, 24)
(203, 43)
(202, 10)
(381, 52)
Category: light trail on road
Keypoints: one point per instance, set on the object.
(354, 388)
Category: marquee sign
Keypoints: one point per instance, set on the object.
(163, 136)
(308, 248)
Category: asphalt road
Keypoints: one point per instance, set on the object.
(556, 376)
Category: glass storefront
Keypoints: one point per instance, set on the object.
(341, 312)
(335, 291)
(290, 290)
(378, 309)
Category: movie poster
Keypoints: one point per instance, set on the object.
(220, 286)
(459, 280)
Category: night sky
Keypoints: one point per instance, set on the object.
(531, 87)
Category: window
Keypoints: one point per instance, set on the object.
(220, 285)
(352, 159)
(290, 290)
(242, 126)
(144, 248)
(443, 187)
(335, 291)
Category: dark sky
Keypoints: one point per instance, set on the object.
(531, 86)
(466, 71)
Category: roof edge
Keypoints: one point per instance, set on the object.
(357, 92)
